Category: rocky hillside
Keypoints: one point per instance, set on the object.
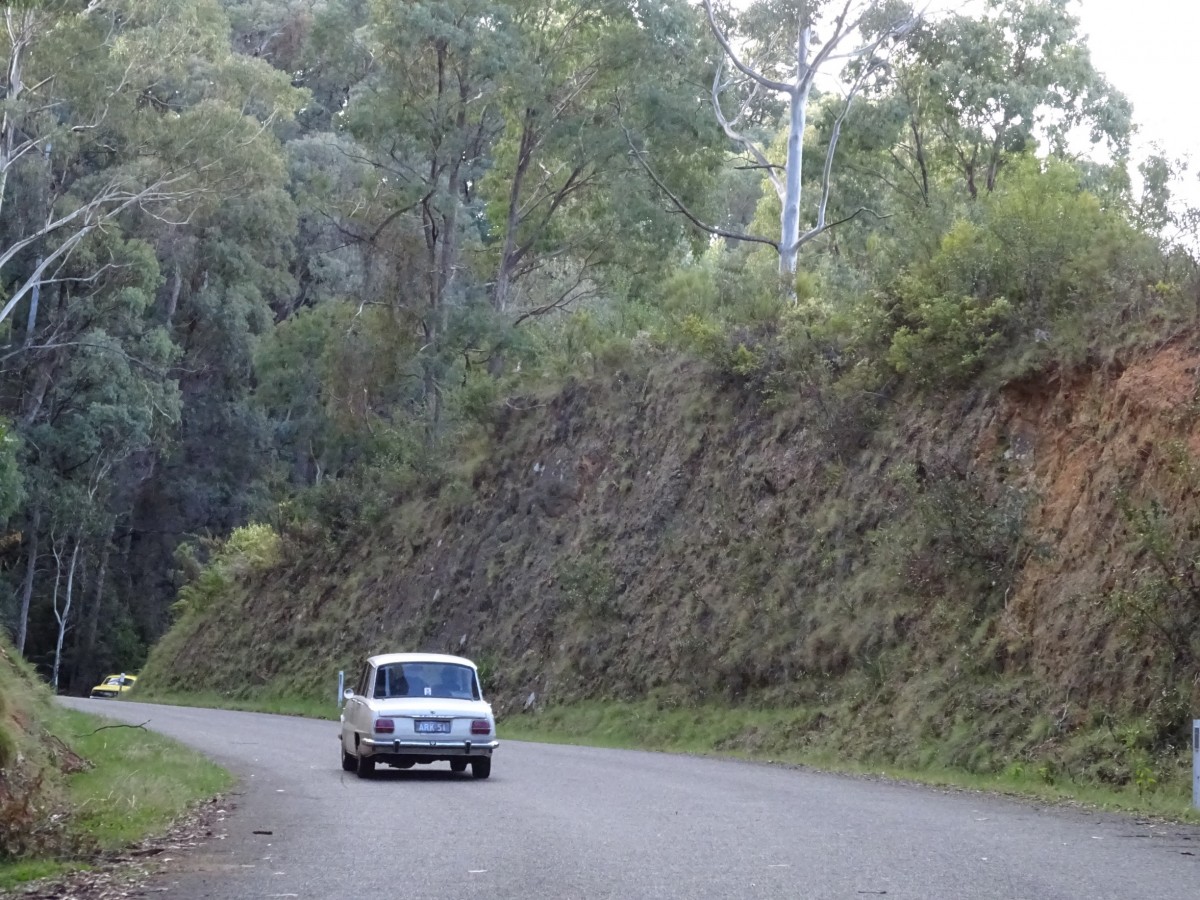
(978, 579)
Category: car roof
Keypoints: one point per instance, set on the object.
(384, 659)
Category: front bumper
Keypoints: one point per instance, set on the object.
(375, 747)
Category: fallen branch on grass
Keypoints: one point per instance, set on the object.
(118, 725)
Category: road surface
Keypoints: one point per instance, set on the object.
(568, 823)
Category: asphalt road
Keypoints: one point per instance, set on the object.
(561, 823)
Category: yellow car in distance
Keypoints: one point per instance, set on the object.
(114, 685)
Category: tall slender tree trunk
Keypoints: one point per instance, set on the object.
(18, 26)
(509, 255)
(30, 573)
(448, 263)
(63, 618)
(922, 165)
(35, 297)
(789, 220)
(83, 671)
(173, 296)
(37, 393)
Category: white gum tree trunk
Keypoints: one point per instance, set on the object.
(810, 56)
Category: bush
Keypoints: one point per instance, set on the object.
(248, 549)
(1027, 266)
(950, 338)
(689, 290)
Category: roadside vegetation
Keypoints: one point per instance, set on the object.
(74, 788)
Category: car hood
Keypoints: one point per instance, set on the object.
(438, 707)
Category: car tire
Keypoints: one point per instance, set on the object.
(458, 765)
(349, 763)
(482, 767)
(365, 766)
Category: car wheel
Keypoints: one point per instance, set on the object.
(349, 763)
(365, 766)
(458, 765)
(482, 767)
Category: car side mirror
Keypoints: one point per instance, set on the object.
(347, 694)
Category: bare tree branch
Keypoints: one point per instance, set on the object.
(723, 40)
(735, 135)
(106, 348)
(115, 725)
(682, 208)
(109, 203)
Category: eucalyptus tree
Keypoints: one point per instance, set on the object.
(227, 278)
(272, 30)
(329, 177)
(580, 76)
(333, 61)
(90, 125)
(964, 95)
(90, 393)
(426, 118)
(780, 47)
(132, 138)
(979, 89)
(109, 403)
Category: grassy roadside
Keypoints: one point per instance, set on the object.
(139, 782)
(136, 784)
(279, 705)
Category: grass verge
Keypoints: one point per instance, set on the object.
(280, 705)
(138, 783)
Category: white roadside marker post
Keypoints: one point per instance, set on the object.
(1196, 763)
(341, 687)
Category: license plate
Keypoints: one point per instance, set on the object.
(432, 726)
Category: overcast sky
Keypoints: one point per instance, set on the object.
(1146, 49)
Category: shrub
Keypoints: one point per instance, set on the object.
(704, 336)
(950, 338)
(1162, 599)
(689, 289)
(248, 549)
(1026, 266)
(586, 584)
(965, 532)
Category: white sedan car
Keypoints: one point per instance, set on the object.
(410, 708)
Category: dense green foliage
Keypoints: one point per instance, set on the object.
(258, 255)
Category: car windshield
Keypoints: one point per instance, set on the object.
(113, 679)
(426, 679)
